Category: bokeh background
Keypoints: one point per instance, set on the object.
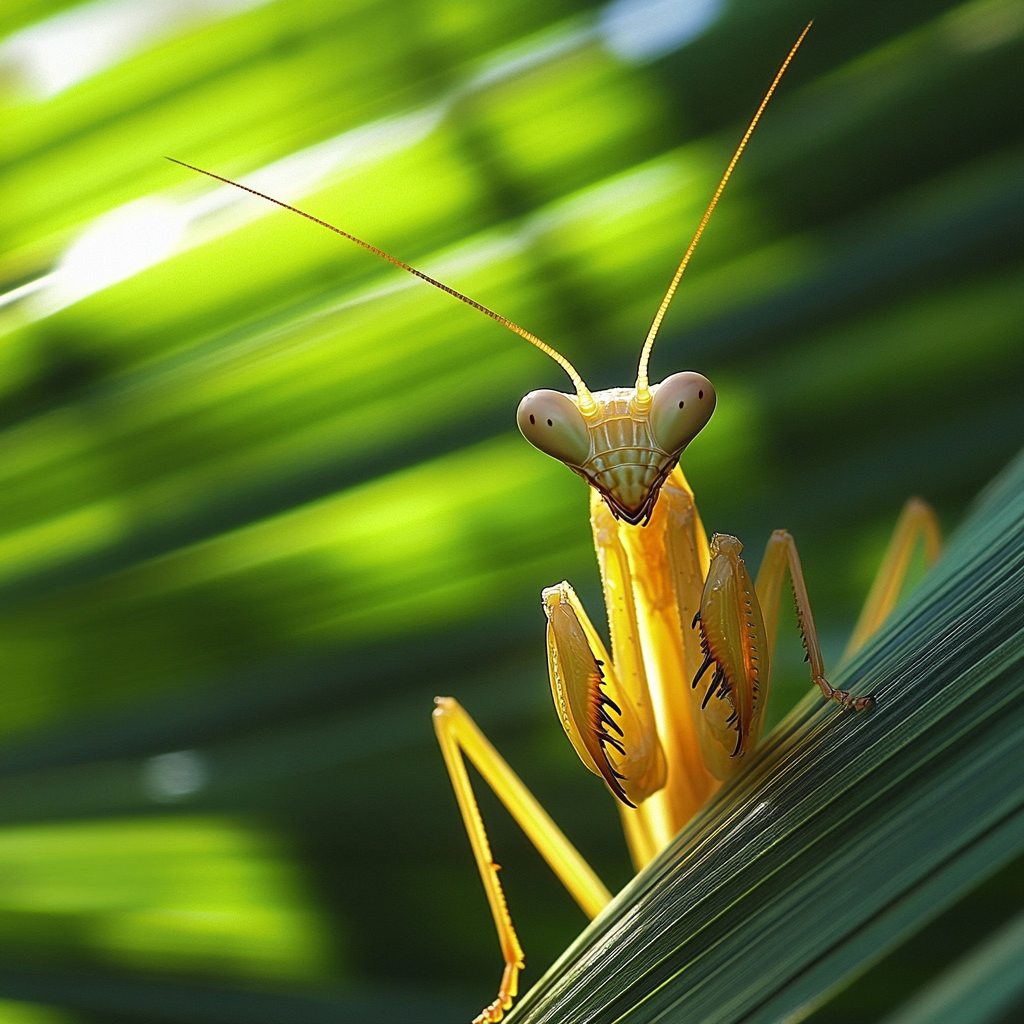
(262, 497)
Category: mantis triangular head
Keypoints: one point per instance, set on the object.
(624, 441)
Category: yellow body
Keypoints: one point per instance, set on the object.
(652, 577)
(678, 703)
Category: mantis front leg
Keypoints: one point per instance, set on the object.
(458, 733)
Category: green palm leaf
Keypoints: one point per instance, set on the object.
(846, 833)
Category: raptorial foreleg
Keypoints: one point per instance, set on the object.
(607, 715)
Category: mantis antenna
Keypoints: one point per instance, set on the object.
(585, 399)
(643, 394)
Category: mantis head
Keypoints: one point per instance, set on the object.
(622, 445)
(625, 441)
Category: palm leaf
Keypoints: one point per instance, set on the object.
(846, 833)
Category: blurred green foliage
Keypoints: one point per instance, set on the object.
(182, 894)
(12, 1012)
(261, 495)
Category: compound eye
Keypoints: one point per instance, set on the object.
(551, 422)
(682, 406)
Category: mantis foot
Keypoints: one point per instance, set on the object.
(506, 993)
(494, 1012)
(848, 703)
(843, 697)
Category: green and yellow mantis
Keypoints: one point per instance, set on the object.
(678, 703)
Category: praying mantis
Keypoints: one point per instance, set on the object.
(677, 704)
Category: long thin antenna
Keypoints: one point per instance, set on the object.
(586, 400)
(643, 395)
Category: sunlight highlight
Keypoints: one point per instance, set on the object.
(55, 54)
(138, 235)
(639, 31)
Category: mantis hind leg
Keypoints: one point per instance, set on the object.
(917, 520)
(457, 733)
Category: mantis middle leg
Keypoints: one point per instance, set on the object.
(781, 554)
(916, 521)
